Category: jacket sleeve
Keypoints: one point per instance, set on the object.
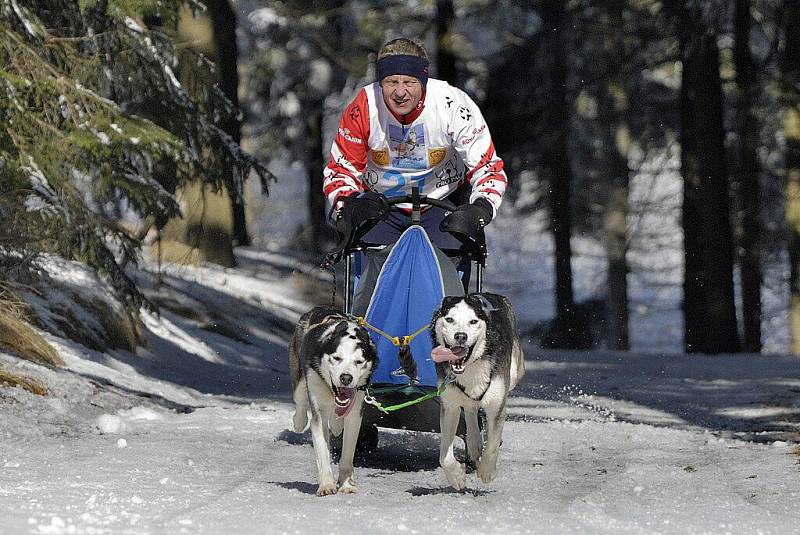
(342, 175)
(472, 141)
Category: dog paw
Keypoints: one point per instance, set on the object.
(348, 487)
(326, 489)
(456, 475)
(300, 420)
(487, 471)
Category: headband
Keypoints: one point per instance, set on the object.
(403, 64)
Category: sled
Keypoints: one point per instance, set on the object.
(402, 288)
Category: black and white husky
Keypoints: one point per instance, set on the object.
(330, 358)
(479, 357)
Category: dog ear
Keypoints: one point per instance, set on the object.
(364, 338)
(335, 333)
(340, 329)
(480, 305)
(449, 302)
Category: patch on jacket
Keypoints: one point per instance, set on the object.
(435, 156)
(380, 157)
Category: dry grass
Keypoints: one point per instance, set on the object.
(31, 385)
(120, 329)
(17, 336)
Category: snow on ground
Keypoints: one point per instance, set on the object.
(191, 435)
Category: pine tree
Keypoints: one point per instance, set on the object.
(94, 125)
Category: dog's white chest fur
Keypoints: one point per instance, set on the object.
(475, 380)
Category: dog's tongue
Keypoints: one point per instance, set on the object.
(350, 395)
(445, 354)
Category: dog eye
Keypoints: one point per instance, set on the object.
(336, 358)
(448, 319)
(473, 322)
(359, 362)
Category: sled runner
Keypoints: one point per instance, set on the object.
(393, 290)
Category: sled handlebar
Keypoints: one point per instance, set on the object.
(408, 199)
(474, 245)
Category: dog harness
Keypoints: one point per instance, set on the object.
(402, 342)
(436, 147)
(406, 389)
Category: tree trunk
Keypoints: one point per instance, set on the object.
(615, 107)
(317, 231)
(445, 58)
(709, 307)
(747, 178)
(223, 19)
(315, 163)
(568, 332)
(205, 231)
(790, 74)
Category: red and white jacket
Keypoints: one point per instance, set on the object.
(437, 146)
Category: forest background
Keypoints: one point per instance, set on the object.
(658, 142)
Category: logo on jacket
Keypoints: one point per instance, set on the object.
(448, 174)
(345, 133)
(475, 132)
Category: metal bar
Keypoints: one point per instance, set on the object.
(415, 206)
(347, 270)
(479, 277)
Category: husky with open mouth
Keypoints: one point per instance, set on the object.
(331, 359)
(479, 357)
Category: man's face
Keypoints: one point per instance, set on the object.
(401, 93)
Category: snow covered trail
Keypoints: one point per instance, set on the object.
(191, 435)
(237, 469)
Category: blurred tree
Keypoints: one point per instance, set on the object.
(223, 19)
(516, 98)
(567, 330)
(317, 152)
(529, 107)
(790, 98)
(747, 180)
(309, 58)
(708, 303)
(445, 42)
(298, 60)
(213, 218)
(614, 107)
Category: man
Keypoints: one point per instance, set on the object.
(405, 130)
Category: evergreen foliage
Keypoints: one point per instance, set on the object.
(94, 125)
